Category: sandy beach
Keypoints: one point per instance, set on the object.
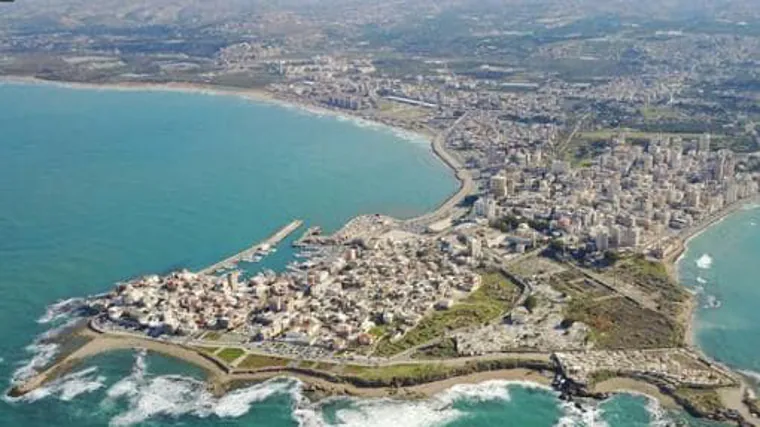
(221, 379)
(630, 385)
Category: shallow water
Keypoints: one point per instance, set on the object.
(722, 265)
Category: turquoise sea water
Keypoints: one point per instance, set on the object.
(98, 186)
(722, 265)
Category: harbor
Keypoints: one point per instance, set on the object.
(256, 250)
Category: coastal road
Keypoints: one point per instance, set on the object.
(466, 188)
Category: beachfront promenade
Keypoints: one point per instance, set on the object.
(270, 242)
(467, 184)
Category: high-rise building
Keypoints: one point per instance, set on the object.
(704, 143)
(476, 249)
(498, 186)
(602, 240)
(232, 280)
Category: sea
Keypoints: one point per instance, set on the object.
(98, 186)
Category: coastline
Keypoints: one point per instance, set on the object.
(434, 141)
(672, 261)
(221, 380)
(317, 385)
(732, 398)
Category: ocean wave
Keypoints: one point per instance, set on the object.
(658, 417)
(754, 376)
(42, 355)
(43, 350)
(176, 395)
(704, 262)
(61, 310)
(581, 416)
(481, 392)
(316, 111)
(701, 280)
(69, 386)
(381, 412)
(712, 301)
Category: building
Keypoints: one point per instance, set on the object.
(602, 240)
(475, 247)
(704, 143)
(498, 186)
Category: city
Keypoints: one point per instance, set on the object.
(589, 147)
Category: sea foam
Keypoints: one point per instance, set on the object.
(386, 412)
(69, 386)
(42, 355)
(61, 310)
(588, 416)
(754, 376)
(175, 396)
(705, 262)
(43, 351)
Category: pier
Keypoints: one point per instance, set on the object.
(270, 242)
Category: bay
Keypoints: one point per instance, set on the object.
(98, 186)
(721, 265)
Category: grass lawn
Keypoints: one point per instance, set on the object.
(212, 336)
(209, 350)
(446, 349)
(253, 361)
(387, 373)
(494, 297)
(230, 354)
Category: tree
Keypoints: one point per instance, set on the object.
(611, 257)
(557, 245)
(530, 303)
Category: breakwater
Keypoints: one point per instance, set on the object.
(266, 244)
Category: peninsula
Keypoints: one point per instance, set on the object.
(500, 288)
(591, 141)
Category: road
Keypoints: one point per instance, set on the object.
(467, 187)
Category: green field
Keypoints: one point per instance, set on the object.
(418, 371)
(230, 354)
(619, 323)
(653, 279)
(209, 350)
(212, 336)
(253, 361)
(704, 401)
(446, 349)
(494, 297)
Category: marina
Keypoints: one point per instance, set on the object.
(257, 251)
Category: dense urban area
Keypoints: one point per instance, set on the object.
(590, 138)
